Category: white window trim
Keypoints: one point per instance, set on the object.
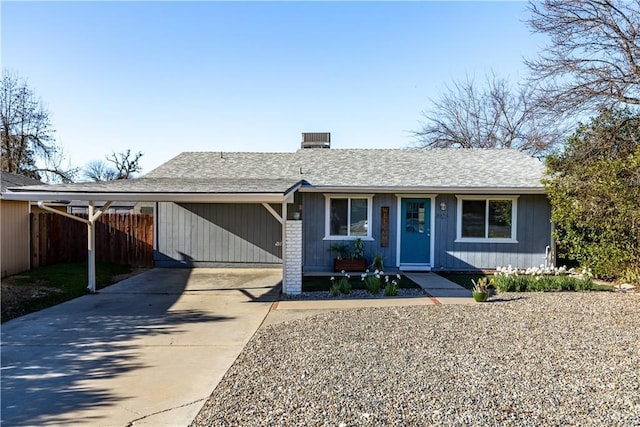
(514, 220)
(327, 215)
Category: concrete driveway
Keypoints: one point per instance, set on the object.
(146, 351)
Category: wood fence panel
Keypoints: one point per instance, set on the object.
(120, 238)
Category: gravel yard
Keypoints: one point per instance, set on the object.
(522, 359)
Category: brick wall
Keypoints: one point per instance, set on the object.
(292, 280)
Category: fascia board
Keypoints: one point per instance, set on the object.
(147, 197)
(422, 190)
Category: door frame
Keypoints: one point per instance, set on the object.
(432, 226)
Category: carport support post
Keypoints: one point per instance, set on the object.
(91, 248)
(91, 241)
(91, 235)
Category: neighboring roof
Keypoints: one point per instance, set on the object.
(191, 176)
(368, 168)
(12, 180)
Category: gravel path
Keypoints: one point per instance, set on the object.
(523, 359)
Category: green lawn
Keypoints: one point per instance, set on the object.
(323, 283)
(50, 285)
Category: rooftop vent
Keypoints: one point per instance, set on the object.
(316, 139)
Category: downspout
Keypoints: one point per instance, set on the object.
(553, 249)
(91, 235)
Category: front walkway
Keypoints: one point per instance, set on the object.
(146, 351)
(443, 290)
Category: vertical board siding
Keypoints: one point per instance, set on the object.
(533, 235)
(316, 254)
(14, 234)
(217, 233)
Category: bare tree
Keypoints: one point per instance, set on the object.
(26, 134)
(99, 170)
(593, 60)
(494, 116)
(52, 169)
(125, 165)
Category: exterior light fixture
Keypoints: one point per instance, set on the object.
(443, 206)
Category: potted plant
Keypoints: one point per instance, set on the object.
(480, 289)
(377, 263)
(349, 260)
(341, 250)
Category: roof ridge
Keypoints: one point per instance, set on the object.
(236, 152)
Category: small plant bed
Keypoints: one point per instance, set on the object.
(353, 286)
(540, 279)
(50, 285)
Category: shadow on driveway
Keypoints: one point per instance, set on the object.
(120, 355)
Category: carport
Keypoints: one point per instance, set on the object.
(266, 193)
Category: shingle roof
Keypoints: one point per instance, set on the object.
(396, 168)
(362, 169)
(12, 180)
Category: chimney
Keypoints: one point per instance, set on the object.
(316, 140)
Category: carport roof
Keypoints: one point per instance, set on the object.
(164, 189)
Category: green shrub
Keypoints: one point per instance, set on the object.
(631, 275)
(594, 192)
(335, 287)
(391, 287)
(340, 286)
(345, 285)
(372, 282)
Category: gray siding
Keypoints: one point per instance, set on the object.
(205, 234)
(533, 235)
(316, 255)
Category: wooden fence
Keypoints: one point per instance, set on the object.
(120, 238)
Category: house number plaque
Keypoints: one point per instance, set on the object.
(384, 226)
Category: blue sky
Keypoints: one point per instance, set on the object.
(167, 77)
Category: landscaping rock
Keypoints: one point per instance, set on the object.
(523, 359)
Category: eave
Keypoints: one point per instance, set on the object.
(423, 190)
(54, 196)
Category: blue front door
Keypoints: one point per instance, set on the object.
(415, 231)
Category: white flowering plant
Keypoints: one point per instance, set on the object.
(340, 286)
(391, 287)
(542, 278)
(372, 281)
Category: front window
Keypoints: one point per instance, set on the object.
(487, 219)
(348, 216)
